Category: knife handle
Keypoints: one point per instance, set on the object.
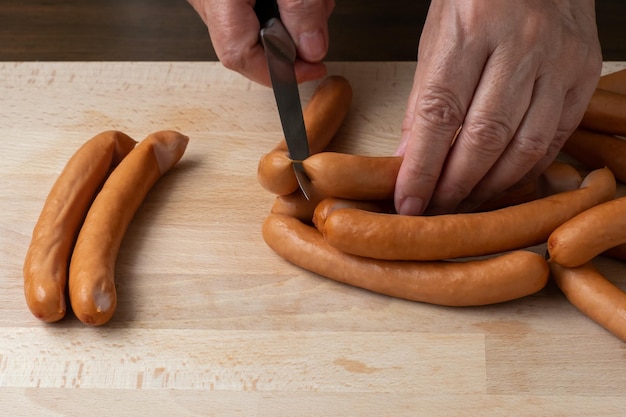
(265, 10)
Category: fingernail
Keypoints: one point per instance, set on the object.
(411, 206)
(312, 45)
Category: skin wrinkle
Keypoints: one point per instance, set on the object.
(488, 132)
(439, 107)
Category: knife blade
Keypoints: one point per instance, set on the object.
(280, 52)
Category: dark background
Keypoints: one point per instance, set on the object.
(170, 30)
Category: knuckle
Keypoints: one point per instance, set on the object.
(414, 169)
(425, 176)
(530, 148)
(440, 107)
(232, 59)
(537, 26)
(560, 137)
(488, 135)
(452, 193)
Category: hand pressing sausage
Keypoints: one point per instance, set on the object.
(514, 76)
(498, 88)
(234, 31)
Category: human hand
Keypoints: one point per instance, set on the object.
(234, 31)
(516, 74)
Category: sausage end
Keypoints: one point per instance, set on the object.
(169, 148)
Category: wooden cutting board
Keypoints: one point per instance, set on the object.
(210, 321)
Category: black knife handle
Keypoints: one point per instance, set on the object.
(265, 10)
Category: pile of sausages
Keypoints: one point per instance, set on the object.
(348, 231)
(77, 237)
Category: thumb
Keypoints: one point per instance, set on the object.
(307, 23)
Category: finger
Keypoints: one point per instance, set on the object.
(446, 75)
(550, 120)
(499, 104)
(306, 71)
(536, 143)
(307, 23)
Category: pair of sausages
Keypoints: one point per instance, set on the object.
(606, 111)
(92, 203)
(469, 283)
(323, 116)
(572, 248)
(596, 150)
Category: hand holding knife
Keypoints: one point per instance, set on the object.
(280, 51)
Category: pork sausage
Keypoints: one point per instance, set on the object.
(91, 278)
(594, 295)
(393, 236)
(588, 234)
(606, 113)
(597, 150)
(48, 255)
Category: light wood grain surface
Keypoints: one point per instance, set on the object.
(210, 321)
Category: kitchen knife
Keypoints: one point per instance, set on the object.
(280, 52)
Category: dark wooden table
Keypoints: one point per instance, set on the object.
(170, 30)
